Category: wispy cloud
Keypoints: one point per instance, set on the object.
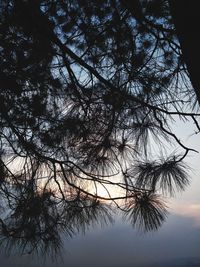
(188, 210)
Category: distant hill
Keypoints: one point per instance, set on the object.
(182, 262)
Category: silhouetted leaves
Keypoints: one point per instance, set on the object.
(86, 87)
(147, 211)
(164, 174)
(37, 221)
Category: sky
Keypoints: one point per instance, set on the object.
(175, 244)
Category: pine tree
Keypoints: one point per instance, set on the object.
(86, 89)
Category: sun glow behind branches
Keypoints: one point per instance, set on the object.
(106, 191)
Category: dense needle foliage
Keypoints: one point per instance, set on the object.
(86, 87)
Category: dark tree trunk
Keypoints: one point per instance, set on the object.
(186, 18)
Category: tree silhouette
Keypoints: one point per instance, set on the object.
(86, 88)
(188, 37)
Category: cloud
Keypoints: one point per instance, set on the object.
(122, 246)
(190, 211)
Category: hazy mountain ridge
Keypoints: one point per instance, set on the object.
(183, 262)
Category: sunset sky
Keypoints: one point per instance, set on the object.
(176, 242)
